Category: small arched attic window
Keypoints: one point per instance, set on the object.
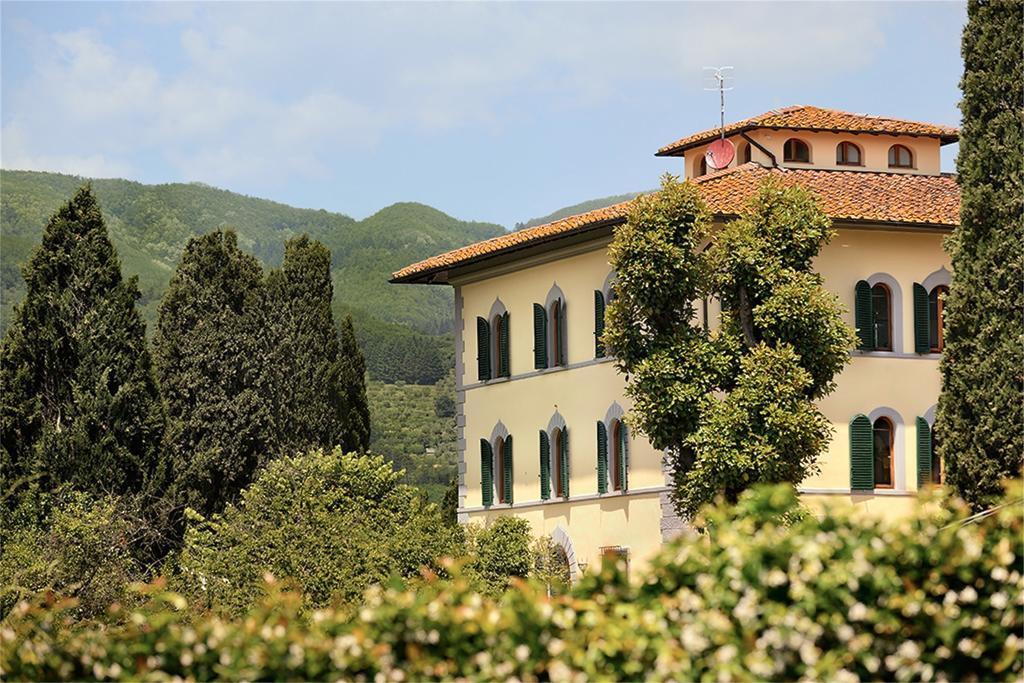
(700, 166)
(848, 154)
(745, 153)
(796, 150)
(900, 157)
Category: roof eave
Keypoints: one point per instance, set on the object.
(440, 274)
(428, 277)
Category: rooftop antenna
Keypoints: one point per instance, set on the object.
(720, 152)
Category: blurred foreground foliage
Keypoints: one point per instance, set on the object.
(842, 597)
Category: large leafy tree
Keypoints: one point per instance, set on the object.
(323, 401)
(78, 400)
(735, 405)
(215, 352)
(980, 410)
(331, 523)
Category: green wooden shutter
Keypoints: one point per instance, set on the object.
(624, 456)
(563, 353)
(921, 323)
(862, 455)
(504, 369)
(602, 458)
(924, 453)
(598, 323)
(483, 349)
(563, 469)
(507, 474)
(545, 466)
(864, 316)
(486, 473)
(540, 337)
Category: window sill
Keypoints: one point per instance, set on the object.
(858, 353)
(586, 497)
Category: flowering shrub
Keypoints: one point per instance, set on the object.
(937, 595)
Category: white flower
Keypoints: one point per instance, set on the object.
(858, 612)
(692, 639)
(522, 653)
(999, 573)
(808, 653)
(909, 650)
(968, 594)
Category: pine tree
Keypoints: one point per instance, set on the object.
(355, 436)
(980, 417)
(215, 356)
(78, 399)
(324, 386)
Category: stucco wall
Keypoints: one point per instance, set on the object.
(898, 383)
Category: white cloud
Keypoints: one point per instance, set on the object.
(17, 155)
(258, 90)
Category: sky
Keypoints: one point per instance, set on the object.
(498, 112)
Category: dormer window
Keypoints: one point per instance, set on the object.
(848, 154)
(796, 150)
(900, 157)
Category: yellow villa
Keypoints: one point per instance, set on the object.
(541, 406)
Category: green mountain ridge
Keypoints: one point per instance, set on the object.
(582, 207)
(150, 225)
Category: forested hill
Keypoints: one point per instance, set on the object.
(582, 207)
(150, 225)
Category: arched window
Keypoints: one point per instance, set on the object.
(557, 324)
(620, 456)
(900, 157)
(549, 331)
(744, 155)
(500, 459)
(848, 154)
(884, 434)
(936, 317)
(881, 309)
(796, 150)
(700, 167)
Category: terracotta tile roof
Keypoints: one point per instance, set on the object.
(805, 117)
(851, 196)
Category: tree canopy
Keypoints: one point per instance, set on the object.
(333, 523)
(733, 405)
(78, 400)
(215, 355)
(980, 413)
(322, 400)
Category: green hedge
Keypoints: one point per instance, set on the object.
(931, 596)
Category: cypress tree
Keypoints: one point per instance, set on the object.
(215, 356)
(355, 435)
(979, 425)
(323, 403)
(78, 399)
